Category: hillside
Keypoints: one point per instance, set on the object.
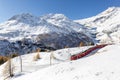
(106, 24)
(100, 66)
(30, 65)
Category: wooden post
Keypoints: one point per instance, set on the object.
(20, 63)
(10, 66)
(51, 56)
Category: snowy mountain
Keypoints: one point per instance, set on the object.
(24, 33)
(51, 30)
(106, 24)
(27, 25)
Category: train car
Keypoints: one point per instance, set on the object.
(86, 52)
(74, 57)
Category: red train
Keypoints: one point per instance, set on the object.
(82, 54)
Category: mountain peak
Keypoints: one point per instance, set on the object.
(110, 10)
(113, 7)
(24, 17)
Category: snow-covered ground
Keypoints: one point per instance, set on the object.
(29, 65)
(103, 65)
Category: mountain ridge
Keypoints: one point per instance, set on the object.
(107, 25)
(49, 23)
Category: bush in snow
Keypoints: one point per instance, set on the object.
(3, 59)
(37, 55)
(81, 44)
(14, 55)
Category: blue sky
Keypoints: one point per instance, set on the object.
(73, 9)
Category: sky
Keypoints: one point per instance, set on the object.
(73, 9)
